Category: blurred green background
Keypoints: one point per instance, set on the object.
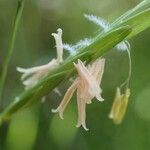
(36, 128)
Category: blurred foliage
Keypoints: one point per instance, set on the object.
(37, 128)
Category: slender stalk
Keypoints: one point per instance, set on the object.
(126, 82)
(10, 46)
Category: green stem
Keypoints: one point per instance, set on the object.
(11, 46)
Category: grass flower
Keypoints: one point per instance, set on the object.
(119, 106)
(31, 76)
(73, 49)
(87, 85)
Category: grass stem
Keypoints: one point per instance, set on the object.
(10, 46)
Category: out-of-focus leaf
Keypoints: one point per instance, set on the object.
(22, 131)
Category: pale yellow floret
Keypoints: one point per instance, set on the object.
(31, 76)
(66, 99)
(119, 106)
(87, 85)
